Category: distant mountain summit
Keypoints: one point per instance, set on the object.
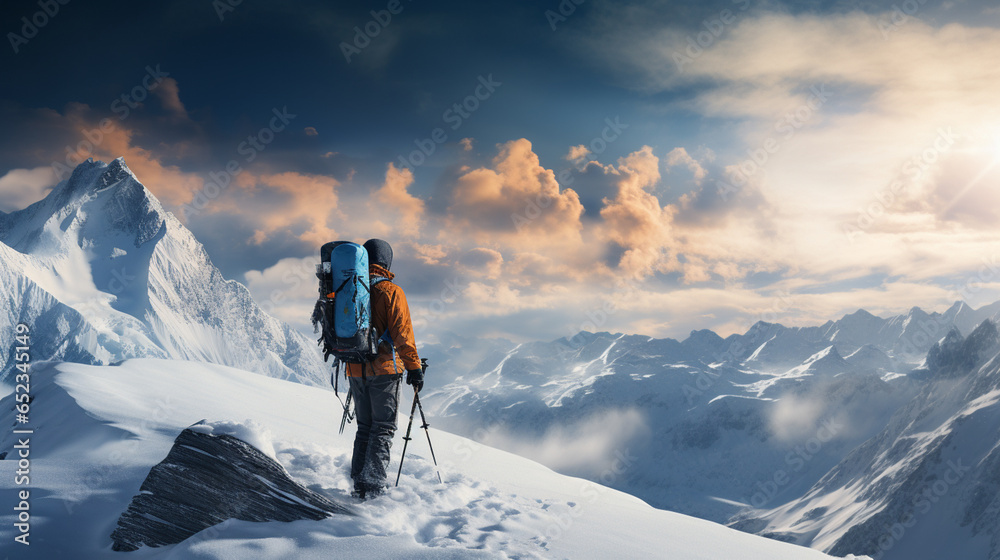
(102, 273)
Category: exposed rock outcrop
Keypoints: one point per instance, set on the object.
(207, 479)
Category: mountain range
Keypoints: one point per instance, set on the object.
(780, 431)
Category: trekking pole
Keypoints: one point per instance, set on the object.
(406, 438)
(347, 417)
(416, 399)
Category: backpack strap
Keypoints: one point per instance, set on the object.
(385, 337)
(385, 334)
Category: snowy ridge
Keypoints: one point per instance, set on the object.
(103, 273)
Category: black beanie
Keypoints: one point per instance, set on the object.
(379, 252)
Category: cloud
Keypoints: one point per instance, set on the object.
(393, 209)
(304, 208)
(634, 219)
(482, 262)
(585, 447)
(516, 203)
(466, 144)
(21, 187)
(829, 114)
(169, 94)
(679, 156)
(310, 131)
(577, 152)
(107, 139)
(61, 140)
(287, 290)
(795, 418)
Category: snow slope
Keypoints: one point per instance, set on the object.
(103, 273)
(99, 429)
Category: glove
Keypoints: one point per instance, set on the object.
(415, 377)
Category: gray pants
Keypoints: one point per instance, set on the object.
(376, 400)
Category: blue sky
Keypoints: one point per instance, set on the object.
(676, 165)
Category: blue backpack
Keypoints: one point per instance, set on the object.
(344, 307)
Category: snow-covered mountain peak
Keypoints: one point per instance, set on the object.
(869, 357)
(762, 328)
(96, 202)
(108, 274)
(115, 173)
(828, 354)
(984, 338)
(703, 337)
(124, 203)
(861, 314)
(955, 355)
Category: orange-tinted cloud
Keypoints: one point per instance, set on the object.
(169, 94)
(107, 139)
(308, 205)
(634, 219)
(393, 209)
(517, 203)
(680, 156)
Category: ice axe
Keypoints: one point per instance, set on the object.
(409, 426)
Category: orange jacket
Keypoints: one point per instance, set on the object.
(389, 309)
